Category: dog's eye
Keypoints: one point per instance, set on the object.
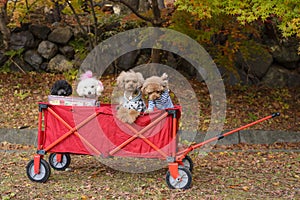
(92, 86)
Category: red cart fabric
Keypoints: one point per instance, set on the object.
(105, 132)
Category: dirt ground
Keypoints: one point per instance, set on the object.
(226, 172)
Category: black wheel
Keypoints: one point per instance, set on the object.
(65, 161)
(44, 171)
(182, 182)
(188, 163)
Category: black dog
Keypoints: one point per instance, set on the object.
(61, 88)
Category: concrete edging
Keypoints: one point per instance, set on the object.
(256, 137)
(29, 137)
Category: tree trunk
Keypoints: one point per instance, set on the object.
(156, 53)
(156, 13)
(3, 26)
(161, 4)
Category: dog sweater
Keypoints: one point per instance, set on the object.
(163, 102)
(135, 103)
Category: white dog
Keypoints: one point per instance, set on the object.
(89, 86)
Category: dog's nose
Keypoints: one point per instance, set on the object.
(89, 93)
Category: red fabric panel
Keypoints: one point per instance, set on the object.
(106, 133)
(54, 129)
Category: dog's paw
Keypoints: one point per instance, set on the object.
(132, 115)
(127, 115)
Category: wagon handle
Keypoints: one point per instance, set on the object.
(275, 114)
(183, 153)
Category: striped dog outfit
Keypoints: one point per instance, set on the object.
(163, 102)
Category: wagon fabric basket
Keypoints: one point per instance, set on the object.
(92, 130)
(97, 131)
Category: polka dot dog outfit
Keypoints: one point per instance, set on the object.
(135, 103)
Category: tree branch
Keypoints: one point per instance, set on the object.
(133, 10)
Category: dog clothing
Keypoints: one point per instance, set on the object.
(135, 103)
(163, 102)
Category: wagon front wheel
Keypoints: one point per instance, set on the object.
(59, 165)
(183, 181)
(44, 171)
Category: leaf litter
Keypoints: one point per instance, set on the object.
(241, 171)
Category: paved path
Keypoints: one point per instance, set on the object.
(29, 137)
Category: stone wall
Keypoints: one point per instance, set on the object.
(45, 49)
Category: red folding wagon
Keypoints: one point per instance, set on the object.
(92, 130)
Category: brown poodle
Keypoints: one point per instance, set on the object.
(132, 103)
(157, 90)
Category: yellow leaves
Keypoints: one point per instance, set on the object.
(83, 197)
(276, 183)
(245, 188)
(239, 187)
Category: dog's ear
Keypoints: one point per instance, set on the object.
(100, 88)
(68, 88)
(165, 80)
(79, 89)
(164, 77)
(143, 89)
(120, 79)
(53, 90)
(140, 78)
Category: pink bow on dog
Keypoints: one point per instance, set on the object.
(87, 74)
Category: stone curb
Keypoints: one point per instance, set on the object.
(29, 137)
(255, 137)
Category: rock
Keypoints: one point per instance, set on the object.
(128, 60)
(286, 52)
(22, 39)
(3, 58)
(184, 65)
(78, 33)
(47, 49)
(40, 31)
(278, 76)
(235, 77)
(20, 65)
(44, 66)
(254, 59)
(67, 51)
(59, 64)
(285, 56)
(33, 59)
(60, 35)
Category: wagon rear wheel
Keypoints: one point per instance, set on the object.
(188, 163)
(44, 173)
(63, 164)
(183, 181)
